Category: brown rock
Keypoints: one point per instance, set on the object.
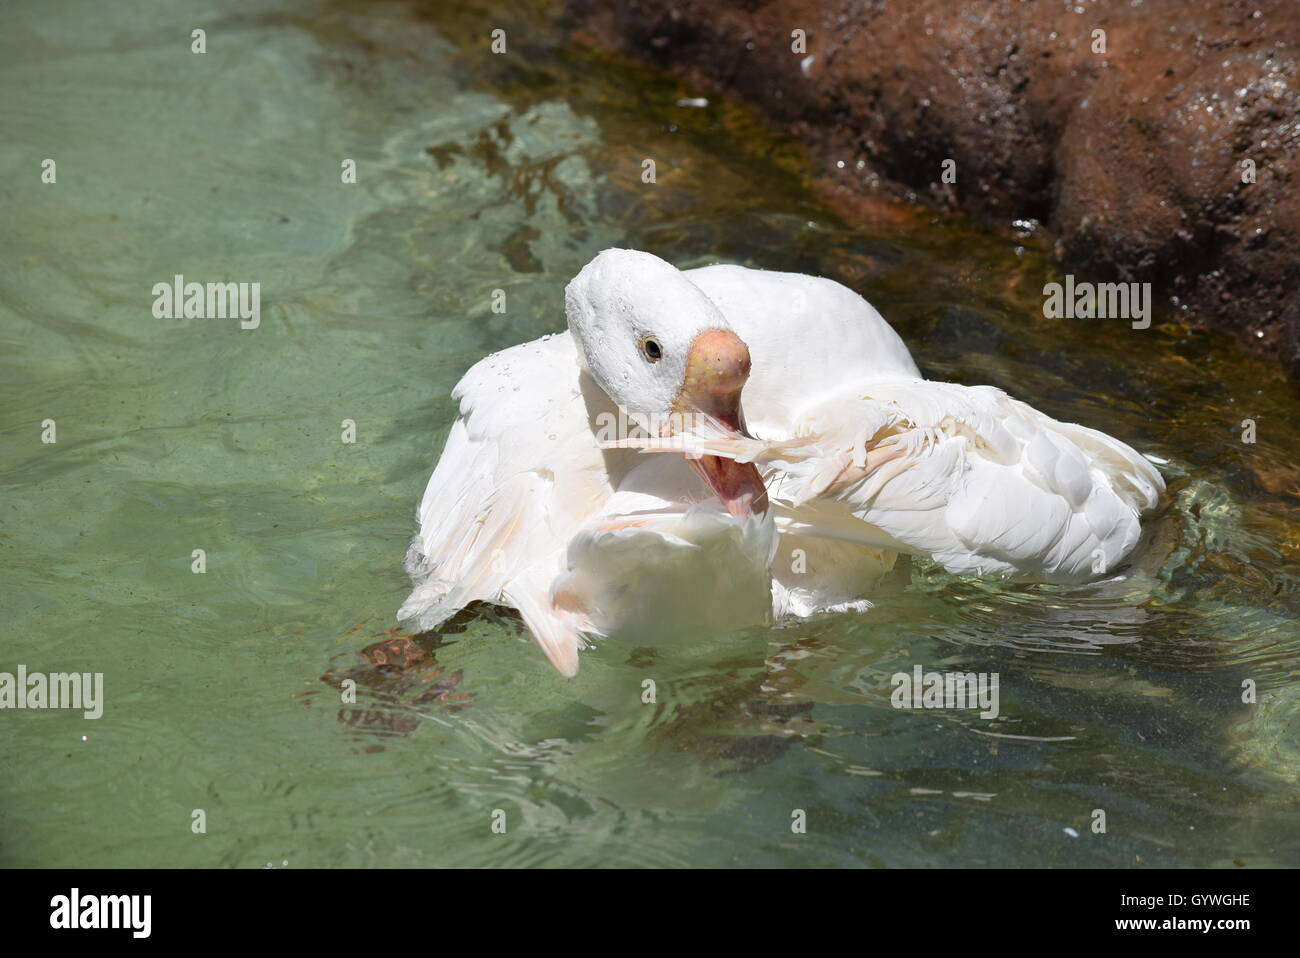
(1132, 158)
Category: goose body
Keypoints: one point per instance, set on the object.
(532, 506)
(966, 475)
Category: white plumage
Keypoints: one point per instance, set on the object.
(526, 508)
(976, 480)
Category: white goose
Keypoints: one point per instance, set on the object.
(528, 509)
(966, 475)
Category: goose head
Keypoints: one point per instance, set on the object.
(667, 356)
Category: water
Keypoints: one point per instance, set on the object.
(476, 173)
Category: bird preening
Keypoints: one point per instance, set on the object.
(770, 415)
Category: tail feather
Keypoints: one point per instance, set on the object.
(430, 604)
(558, 632)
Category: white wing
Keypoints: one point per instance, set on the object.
(977, 480)
(519, 475)
(980, 481)
(525, 509)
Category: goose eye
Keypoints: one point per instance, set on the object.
(651, 349)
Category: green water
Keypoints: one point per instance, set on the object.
(478, 172)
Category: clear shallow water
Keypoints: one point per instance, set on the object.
(480, 172)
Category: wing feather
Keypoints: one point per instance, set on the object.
(971, 477)
(493, 512)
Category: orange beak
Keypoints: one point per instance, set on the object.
(717, 366)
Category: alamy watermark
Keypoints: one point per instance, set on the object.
(75, 910)
(53, 690)
(1073, 300)
(181, 300)
(946, 690)
(674, 430)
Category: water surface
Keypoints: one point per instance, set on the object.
(481, 172)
